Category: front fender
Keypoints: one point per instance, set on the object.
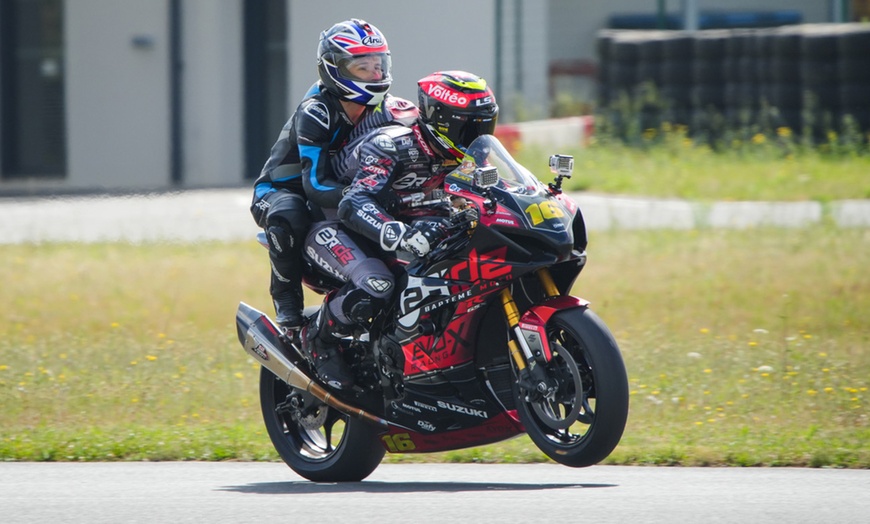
(533, 323)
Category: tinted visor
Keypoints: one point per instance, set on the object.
(365, 68)
(475, 127)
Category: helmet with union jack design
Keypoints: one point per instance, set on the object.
(456, 107)
(353, 61)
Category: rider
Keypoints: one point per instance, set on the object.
(388, 164)
(353, 63)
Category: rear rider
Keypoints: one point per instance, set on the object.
(353, 63)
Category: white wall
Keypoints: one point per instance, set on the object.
(116, 94)
(213, 91)
(423, 38)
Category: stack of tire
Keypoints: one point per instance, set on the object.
(820, 79)
(853, 67)
(677, 76)
(784, 90)
(606, 90)
(650, 79)
(708, 87)
(741, 78)
(799, 77)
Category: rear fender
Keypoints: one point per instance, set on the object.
(533, 323)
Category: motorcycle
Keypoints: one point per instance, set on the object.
(481, 342)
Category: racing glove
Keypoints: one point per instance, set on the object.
(419, 239)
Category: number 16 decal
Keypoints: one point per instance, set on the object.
(544, 211)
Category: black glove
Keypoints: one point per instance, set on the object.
(423, 237)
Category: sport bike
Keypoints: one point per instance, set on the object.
(482, 340)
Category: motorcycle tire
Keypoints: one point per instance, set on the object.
(323, 446)
(593, 434)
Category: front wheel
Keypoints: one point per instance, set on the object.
(317, 441)
(581, 423)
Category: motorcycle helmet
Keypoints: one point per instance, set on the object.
(456, 107)
(340, 47)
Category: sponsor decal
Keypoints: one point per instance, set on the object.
(391, 234)
(462, 409)
(369, 181)
(423, 145)
(318, 111)
(486, 266)
(385, 143)
(506, 221)
(467, 167)
(444, 94)
(378, 284)
(414, 154)
(323, 264)
(427, 407)
(372, 221)
(372, 41)
(448, 300)
(261, 351)
(411, 180)
(328, 238)
(375, 170)
(410, 408)
(275, 242)
(426, 425)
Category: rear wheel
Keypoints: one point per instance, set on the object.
(317, 441)
(582, 422)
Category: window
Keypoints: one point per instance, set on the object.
(32, 89)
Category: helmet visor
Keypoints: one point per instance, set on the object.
(475, 127)
(365, 68)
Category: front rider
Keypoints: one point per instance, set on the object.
(388, 164)
(353, 63)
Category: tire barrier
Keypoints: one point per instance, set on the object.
(813, 77)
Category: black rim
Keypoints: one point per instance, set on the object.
(312, 429)
(579, 429)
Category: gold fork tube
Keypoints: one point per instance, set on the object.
(547, 282)
(512, 314)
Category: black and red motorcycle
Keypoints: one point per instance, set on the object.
(482, 341)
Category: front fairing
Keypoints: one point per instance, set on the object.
(527, 211)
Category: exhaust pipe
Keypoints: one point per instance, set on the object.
(262, 340)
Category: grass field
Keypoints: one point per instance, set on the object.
(743, 348)
(672, 165)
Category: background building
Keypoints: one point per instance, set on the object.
(132, 95)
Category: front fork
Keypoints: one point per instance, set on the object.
(533, 378)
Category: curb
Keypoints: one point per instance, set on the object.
(223, 215)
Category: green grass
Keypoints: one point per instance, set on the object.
(670, 164)
(743, 348)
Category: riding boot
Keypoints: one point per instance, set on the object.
(289, 302)
(320, 339)
(286, 291)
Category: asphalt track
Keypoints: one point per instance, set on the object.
(222, 214)
(235, 492)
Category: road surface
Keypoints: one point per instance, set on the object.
(230, 492)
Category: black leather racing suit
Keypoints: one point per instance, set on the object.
(300, 169)
(384, 170)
